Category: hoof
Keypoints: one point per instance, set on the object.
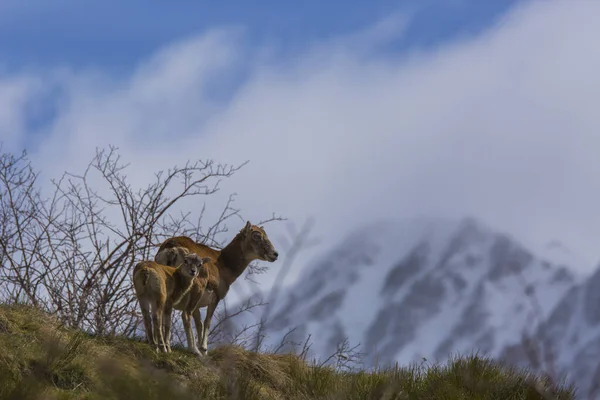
(195, 352)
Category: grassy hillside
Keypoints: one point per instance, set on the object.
(39, 360)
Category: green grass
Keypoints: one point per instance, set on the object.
(39, 360)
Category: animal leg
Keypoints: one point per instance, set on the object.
(186, 316)
(167, 326)
(157, 314)
(212, 306)
(145, 307)
(199, 325)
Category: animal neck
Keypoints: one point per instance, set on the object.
(183, 285)
(233, 261)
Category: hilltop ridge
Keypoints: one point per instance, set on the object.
(40, 359)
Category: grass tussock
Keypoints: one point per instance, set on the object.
(40, 360)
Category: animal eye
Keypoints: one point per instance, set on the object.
(256, 236)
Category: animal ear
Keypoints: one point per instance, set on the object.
(247, 227)
(180, 251)
(206, 260)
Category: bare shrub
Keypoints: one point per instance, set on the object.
(71, 253)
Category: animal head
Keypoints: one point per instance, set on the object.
(172, 256)
(258, 243)
(192, 265)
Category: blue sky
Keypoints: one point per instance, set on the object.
(114, 35)
(348, 111)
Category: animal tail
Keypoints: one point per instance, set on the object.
(145, 276)
(141, 277)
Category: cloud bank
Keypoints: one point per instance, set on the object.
(502, 126)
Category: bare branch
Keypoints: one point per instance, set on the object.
(72, 253)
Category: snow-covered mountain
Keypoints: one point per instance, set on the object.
(426, 288)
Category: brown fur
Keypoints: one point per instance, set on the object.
(251, 243)
(160, 287)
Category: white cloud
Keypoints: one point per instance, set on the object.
(502, 126)
(15, 93)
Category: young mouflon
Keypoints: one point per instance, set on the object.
(159, 287)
